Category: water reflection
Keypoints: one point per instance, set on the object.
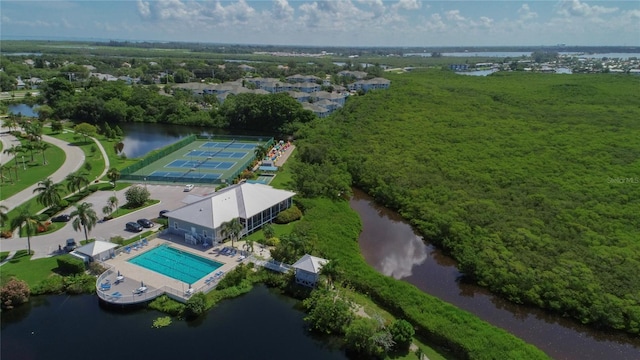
(386, 239)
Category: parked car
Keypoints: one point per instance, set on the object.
(145, 223)
(188, 187)
(70, 245)
(161, 214)
(61, 218)
(132, 226)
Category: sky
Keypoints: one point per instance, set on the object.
(329, 22)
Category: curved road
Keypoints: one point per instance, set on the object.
(74, 159)
(42, 245)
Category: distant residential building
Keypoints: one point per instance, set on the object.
(459, 67)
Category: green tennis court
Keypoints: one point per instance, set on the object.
(197, 160)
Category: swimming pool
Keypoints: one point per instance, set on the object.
(177, 264)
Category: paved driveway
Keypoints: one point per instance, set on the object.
(170, 197)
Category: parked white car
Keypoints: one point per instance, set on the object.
(188, 187)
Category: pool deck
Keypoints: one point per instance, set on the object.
(156, 284)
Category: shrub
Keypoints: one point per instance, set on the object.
(195, 306)
(96, 268)
(167, 305)
(361, 336)
(234, 277)
(274, 241)
(6, 234)
(53, 284)
(79, 283)
(162, 322)
(289, 215)
(13, 293)
(42, 217)
(68, 264)
(136, 196)
(117, 240)
(328, 314)
(402, 333)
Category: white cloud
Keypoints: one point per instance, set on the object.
(407, 5)
(526, 13)
(454, 15)
(144, 9)
(434, 24)
(580, 9)
(282, 10)
(376, 6)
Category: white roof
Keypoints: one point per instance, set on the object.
(96, 247)
(310, 263)
(244, 201)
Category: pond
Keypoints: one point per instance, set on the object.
(23, 109)
(260, 324)
(391, 246)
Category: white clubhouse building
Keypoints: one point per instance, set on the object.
(254, 204)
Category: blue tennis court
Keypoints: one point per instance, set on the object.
(218, 154)
(218, 165)
(227, 145)
(161, 175)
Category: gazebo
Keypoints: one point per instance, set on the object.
(98, 250)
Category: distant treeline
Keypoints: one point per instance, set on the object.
(220, 48)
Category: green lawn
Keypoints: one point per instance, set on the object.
(31, 271)
(34, 172)
(283, 179)
(280, 230)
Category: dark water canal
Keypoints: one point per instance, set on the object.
(392, 247)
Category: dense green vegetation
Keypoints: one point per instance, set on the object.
(532, 182)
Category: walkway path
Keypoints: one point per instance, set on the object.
(74, 159)
(8, 141)
(285, 155)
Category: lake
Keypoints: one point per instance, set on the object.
(260, 324)
(392, 247)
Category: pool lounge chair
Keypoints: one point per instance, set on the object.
(116, 295)
(127, 249)
(105, 286)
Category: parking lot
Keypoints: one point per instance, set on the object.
(170, 197)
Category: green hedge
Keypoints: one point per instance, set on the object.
(290, 215)
(68, 264)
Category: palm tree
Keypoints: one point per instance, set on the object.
(84, 217)
(14, 150)
(3, 215)
(75, 181)
(260, 151)
(248, 245)
(232, 229)
(28, 220)
(49, 192)
(112, 204)
(113, 174)
(44, 146)
(30, 146)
